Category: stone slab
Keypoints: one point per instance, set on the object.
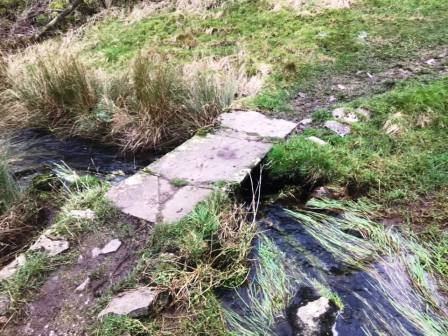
(183, 202)
(210, 159)
(155, 199)
(255, 123)
(337, 127)
(141, 195)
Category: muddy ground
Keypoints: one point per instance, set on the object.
(58, 309)
(344, 88)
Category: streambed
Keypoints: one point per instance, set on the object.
(379, 300)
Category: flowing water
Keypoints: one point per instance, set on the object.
(33, 152)
(377, 300)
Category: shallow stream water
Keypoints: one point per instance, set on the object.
(372, 298)
(33, 151)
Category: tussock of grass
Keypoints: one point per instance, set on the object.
(186, 261)
(84, 194)
(154, 105)
(267, 294)
(9, 190)
(302, 161)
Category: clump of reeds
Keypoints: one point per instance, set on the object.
(153, 105)
(165, 106)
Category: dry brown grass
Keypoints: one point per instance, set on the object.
(165, 105)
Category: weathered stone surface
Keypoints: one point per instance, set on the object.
(4, 304)
(82, 214)
(134, 303)
(317, 140)
(10, 269)
(110, 247)
(214, 158)
(338, 128)
(141, 195)
(345, 115)
(256, 123)
(309, 316)
(51, 246)
(183, 202)
(225, 156)
(155, 199)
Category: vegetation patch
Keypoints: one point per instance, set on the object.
(188, 260)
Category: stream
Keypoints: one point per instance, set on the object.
(368, 309)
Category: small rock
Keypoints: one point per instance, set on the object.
(52, 247)
(344, 115)
(317, 140)
(3, 320)
(110, 247)
(337, 127)
(341, 87)
(133, 303)
(332, 99)
(82, 287)
(4, 304)
(306, 122)
(364, 112)
(10, 269)
(309, 315)
(431, 61)
(82, 214)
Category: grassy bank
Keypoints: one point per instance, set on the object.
(128, 66)
(397, 159)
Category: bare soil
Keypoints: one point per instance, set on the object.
(344, 88)
(57, 309)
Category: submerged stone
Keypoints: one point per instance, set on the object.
(133, 303)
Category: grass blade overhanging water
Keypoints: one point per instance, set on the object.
(400, 267)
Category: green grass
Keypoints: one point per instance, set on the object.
(9, 190)
(86, 193)
(268, 293)
(390, 168)
(298, 46)
(29, 277)
(400, 253)
(187, 261)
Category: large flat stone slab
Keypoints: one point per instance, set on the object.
(210, 159)
(155, 199)
(255, 123)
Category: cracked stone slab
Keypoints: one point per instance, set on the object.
(183, 202)
(255, 123)
(51, 246)
(155, 199)
(133, 303)
(141, 195)
(210, 159)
